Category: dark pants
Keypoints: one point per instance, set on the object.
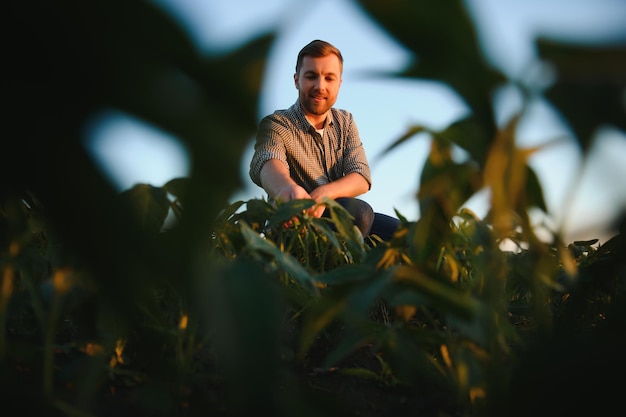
(384, 226)
(366, 220)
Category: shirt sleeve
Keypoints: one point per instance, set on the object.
(269, 145)
(354, 156)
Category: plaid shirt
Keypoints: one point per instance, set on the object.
(312, 159)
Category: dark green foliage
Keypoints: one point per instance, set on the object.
(589, 89)
(168, 300)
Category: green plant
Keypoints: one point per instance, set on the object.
(110, 308)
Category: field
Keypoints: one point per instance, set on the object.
(246, 308)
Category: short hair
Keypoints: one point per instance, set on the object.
(318, 49)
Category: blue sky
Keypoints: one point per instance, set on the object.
(132, 152)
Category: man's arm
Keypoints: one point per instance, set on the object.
(278, 184)
(351, 185)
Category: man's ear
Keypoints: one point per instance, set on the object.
(295, 81)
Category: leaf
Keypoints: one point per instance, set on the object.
(470, 135)
(407, 351)
(589, 87)
(350, 274)
(228, 212)
(443, 180)
(450, 186)
(443, 39)
(256, 214)
(286, 261)
(80, 59)
(244, 309)
(349, 343)
(437, 294)
(344, 223)
(534, 191)
(351, 302)
(177, 187)
(513, 184)
(290, 209)
(150, 205)
(412, 131)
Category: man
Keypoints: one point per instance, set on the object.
(313, 150)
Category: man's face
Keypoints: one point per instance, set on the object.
(318, 83)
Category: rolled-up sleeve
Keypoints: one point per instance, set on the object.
(354, 156)
(269, 145)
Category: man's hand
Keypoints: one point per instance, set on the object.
(291, 192)
(317, 210)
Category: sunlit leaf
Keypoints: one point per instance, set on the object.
(506, 173)
(285, 260)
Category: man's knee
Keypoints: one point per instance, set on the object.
(384, 226)
(362, 212)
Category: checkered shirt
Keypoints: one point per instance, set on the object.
(312, 159)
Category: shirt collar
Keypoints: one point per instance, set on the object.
(305, 123)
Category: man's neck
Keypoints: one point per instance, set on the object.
(317, 121)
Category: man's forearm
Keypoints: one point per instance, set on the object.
(351, 185)
(278, 184)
